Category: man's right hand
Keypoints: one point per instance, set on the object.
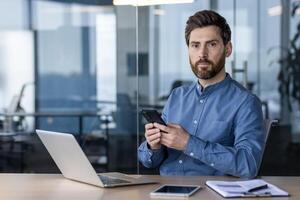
(152, 135)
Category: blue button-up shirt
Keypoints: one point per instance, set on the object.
(225, 124)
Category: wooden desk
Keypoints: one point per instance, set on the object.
(54, 186)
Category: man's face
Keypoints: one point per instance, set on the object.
(207, 52)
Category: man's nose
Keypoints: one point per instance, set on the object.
(203, 52)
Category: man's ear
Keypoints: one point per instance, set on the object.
(228, 49)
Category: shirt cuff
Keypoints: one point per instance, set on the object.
(151, 154)
(195, 147)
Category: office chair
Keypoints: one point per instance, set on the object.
(267, 124)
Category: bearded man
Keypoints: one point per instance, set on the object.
(215, 125)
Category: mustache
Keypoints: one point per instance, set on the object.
(203, 61)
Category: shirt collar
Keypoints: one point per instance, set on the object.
(213, 87)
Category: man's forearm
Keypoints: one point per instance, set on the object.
(237, 161)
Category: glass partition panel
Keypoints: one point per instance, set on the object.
(269, 54)
(256, 39)
(86, 77)
(163, 55)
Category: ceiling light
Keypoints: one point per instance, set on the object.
(275, 11)
(149, 2)
(298, 11)
(159, 12)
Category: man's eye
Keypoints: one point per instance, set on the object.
(195, 45)
(212, 44)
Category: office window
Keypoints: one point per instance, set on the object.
(102, 64)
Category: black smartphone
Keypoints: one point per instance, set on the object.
(153, 116)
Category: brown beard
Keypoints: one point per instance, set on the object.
(209, 73)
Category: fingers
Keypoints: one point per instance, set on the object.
(154, 142)
(171, 136)
(154, 137)
(167, 139)
(168, 128)
(149, 126)
(161, 127)
(160, 134)
(174, 141)
(150, 132)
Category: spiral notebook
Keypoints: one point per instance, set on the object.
(249, 188)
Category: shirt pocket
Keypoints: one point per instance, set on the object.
(218, 131)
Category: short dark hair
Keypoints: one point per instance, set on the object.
(207, 18)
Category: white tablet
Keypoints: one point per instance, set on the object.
(175, 190)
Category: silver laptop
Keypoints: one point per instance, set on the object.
(74, 165)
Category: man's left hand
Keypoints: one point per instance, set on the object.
(173, 136)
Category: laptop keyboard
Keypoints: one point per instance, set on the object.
(111, 181)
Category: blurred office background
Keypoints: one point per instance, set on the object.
(87, 67)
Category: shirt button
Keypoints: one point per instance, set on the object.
(195, 121)
(180, 161)
(212, 164)
(191, 154)
(149, 160)
(201, 101)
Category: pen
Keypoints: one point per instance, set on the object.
(251, 194)
(258, 188)
(265, 194)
